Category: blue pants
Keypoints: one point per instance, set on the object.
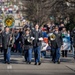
(37, 51)
(18, 47)
(55, 54)
(43, 53)
(28, 55)
(8, 54)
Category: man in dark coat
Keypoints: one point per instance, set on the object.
(37, 34)
(55, 44)
(6, 45)
(28, 45)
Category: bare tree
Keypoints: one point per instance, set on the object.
(38, 11)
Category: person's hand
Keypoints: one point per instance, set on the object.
(10, 38)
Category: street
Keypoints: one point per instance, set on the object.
(24, 24)
(19, 67)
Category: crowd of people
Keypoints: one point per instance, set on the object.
(50, 37)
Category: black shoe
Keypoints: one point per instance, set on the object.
(39, 63)
(8, 62)
(29, 62)
(54, 62)
(65, 56)
(58, 62)
(35, 64)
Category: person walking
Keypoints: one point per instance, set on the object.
(7, 44)
(55, 41)
(27, 45)
(37, 34)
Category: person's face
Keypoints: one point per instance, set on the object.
(27, 32)
(7, 29)
(56, 29)
(64, 29)
(68, 32)
(37, 26)
(62, 25)
(17, 30)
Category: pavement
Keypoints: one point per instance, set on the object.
(19, 67)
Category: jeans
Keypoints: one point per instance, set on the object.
(18, 47)
(28, 55)
(37, 52)
(43, 53)
(55, 54)
(8, 54)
